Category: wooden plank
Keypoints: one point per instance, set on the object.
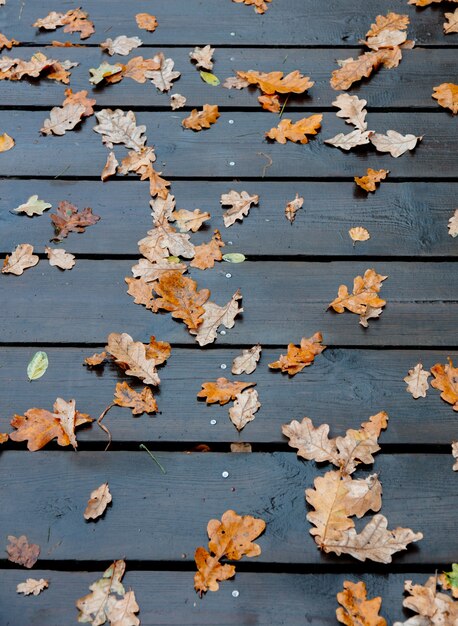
(291, 22)
(364, 381)
(210, 153)
(169, 598)
(402, 218)
(86, 304)
(163, 517)
(400, 88)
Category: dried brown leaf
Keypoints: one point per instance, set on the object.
(98, 502)
(146, 21)
(297, 131)
(19, 260)
(292, 208)
(132, 354)
(32, 586)
(240, 205)
(22, 552)
(247, 362)
(298, 357)
(446, 94)
(245, 406)
(67, 220)
(417, 381)
(143, 402)
(197, 120)
(207, 253)
(215, 316)
(189, 220)
(356, 609)
(370, 180)
(203, 57)
(110, 167)
(446, 380)
(59, 258)
(179, 295)
(222, 390)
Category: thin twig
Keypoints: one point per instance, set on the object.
(103, 427)
(283, 107)
(267, 165)
(143, 447)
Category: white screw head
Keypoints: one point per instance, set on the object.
(232, 163)
(212, 422)
(235, 593)
(225, 474)
(230, 121)
(229, 243)
(222, 332)
(232, 34)
(228, 275)
(223, 366)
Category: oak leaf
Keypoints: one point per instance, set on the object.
(394, 143)
(163, 241)
(19, 260)
(203, 57)
(356, 609)
(146, 21)
(67, 220)
(6, 142)
(235, 82)
(39, 64)
(189, 220)
(179, 295)
(245, 406)
(160, 351)
(370, 180)
(298, 357)
(138, 161)
(446, 95)
(358, 233)
(33, 206)
(3, 437)
(390, 22)
(446, 380)
(143, 402)
(455, 456)
(74, 20)
(371, 313)
(121, 45)
(122, 612)
(353, 70)
(297, 131)
(417, 381)
(132, 355)
(276, 82)
(110, 167)
(365, 293)
(62, 119)
(164, 75)
(222, 390)
(207, 253)
(149, 272)
(210, 571)
(98, 502)
(260, 6)
(22, 552)
(197, 120)
(32, 586)
(105, 70)
(94, 607)
(247, 362)
(215, 316)
(433, 608)
(96, 359)
(270, 103)
(142, 292)
(80, 97)
(60, 258)
(120, 127)
(425, 3)
(137, 69)
(240, 205)
(177, 101)
(350, 140)
(352, 109)
(292, 207)
(451, 25)
(7, 43)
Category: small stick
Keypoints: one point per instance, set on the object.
(103, 427)
(143, 447)
(267, 165)
(283, 107)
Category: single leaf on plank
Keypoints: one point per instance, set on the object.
(59, 258)
(209, 78)
(350, 140)
(446, 380)
(292, 207)
(164, 76)
(215, 316)
(22, 552)
(356, 609)
(142, 292)
(20, 259)
(455, 456)
(234, 257)
(132, 355)
(298, 357)
(189, 220)
(203, 57)
(453, 224)
(110, 167)
(37, 366)
(67, 220)
(143, 402)
(105, 70)
(33, 206)
(446, 95)
(275, 82)
(94, 606)
(4, 437)
(394, 143)
(297, 131)
(177, 101)
(62, 119)
(32, 586)
(433, 608)
(122, 612)
(260, 6)
(240, 205)
(451, 25)
(96, 359)
(6, 142)
(79, 97)
(210, 572)
(222, 390)
(247, 362)
(120, 127)
(146, 21)
(98, 502)
(197, 120)
(358, 233)
(417, 381)
(160, 351)
(352, 110)
(365, 293)
(121, 45)
(370, 180)
(207, 253)
(235, 82)
(245, 406)
(179, 295)
(270, 103)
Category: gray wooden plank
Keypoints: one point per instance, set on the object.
(210, 153)
(86, 304)
(297, 22)
(364, 381)
(163, 517)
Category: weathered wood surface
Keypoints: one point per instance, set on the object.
(362, 382)
(88, 303)
(403, 218)
(220, 22)
(397, 88)
(209, 154)
(163, 517)
(168, 598)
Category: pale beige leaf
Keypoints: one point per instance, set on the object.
(93, 607)
(59, 258)
(247, 362)
(358, 233)
(120, 127)
(235, 82)
(370, 313)
(455, 455)
(121, 45)
(32, 586)
(215, 316)
(203, 57)
(152, 271)
(394, 143)
(358, 446)
(292, 208)
(433, 608)
(386, 39)
(350, 140)
(189, 220)
(446, 95)
(20, 259)
(245, 406)
(62, 119)
(352, 110)
(417, 381)
(164, 241)
(162, 209)
(364, 495)
(451, 25)
(122, 612)
(240, 205)
(163, 77)
(133, 353)
(177, 101)
(110, 167)
(453, 224)
(98, 502)
(105, 71)
(33, 206)
(311, 443)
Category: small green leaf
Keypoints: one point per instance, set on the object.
(234, 257)
(37, 366)
(104, 70)
(173, 259)
(452, 577)
(210, 78)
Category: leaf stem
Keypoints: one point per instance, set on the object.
(103, 427)
(143, 447)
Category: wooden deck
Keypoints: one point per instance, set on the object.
(291, 274)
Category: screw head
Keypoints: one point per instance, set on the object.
(225, 474)
(235, 593)
(228, 275)
(230, 121)
(212, 422)
(222, 332)
(232, 163)
(223, 366)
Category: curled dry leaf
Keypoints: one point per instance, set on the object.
(59, 258)
(33, 206)
(270, 103)
(432, 608)
(122, 612)
(240, 205)
(365, 294)
(276, 82)
(120, 127)
(394, 143)
(446, 380)
(231, 538)
(164, 75)
(67, 220)
(358, 233)
(449, 580)
(6, 142)
(146, 21)
(141, 291)
(22, 552)
(189, 220)
(370, 180)
(356, 609)
(32, 586)
(292, 208)
(150, 272)
(446, 95)
(75, 21)
(298, 357)
(132, 355)
(222, 390)
(137, 69)
(453, 224)
(247, 362)
(143, 402)
(417, 381)
(121, 45)
(353, 70)
(350, 140)
(352, 109)
(216, 316)
(260, 6)
(20, 259)
(235, 82)
(39, 65)
(179, 295)
(245, 406)
(197, 120)
(62, 119)
(177, 101)
(98, 502)
(203, 57)
(3, 437)
(79, 97)
(110, 167)
(297, 131)
(96, 359)
(451, 25)
(371, 313)
(207, 253)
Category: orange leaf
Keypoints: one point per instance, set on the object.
(141, 292)
(356, 608)
(368, 182)
(446, 379)
(270, 103)
(446, 95)
(80, 97)
(275, 82)
(298, 357)
(207, 253)
(146, 21)
(222, 390)
(260, 6)
(198, 120)
(365, 294)
(296, 131)
(160, 351)
(95, 359)
(143, 402)
(179, 295)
